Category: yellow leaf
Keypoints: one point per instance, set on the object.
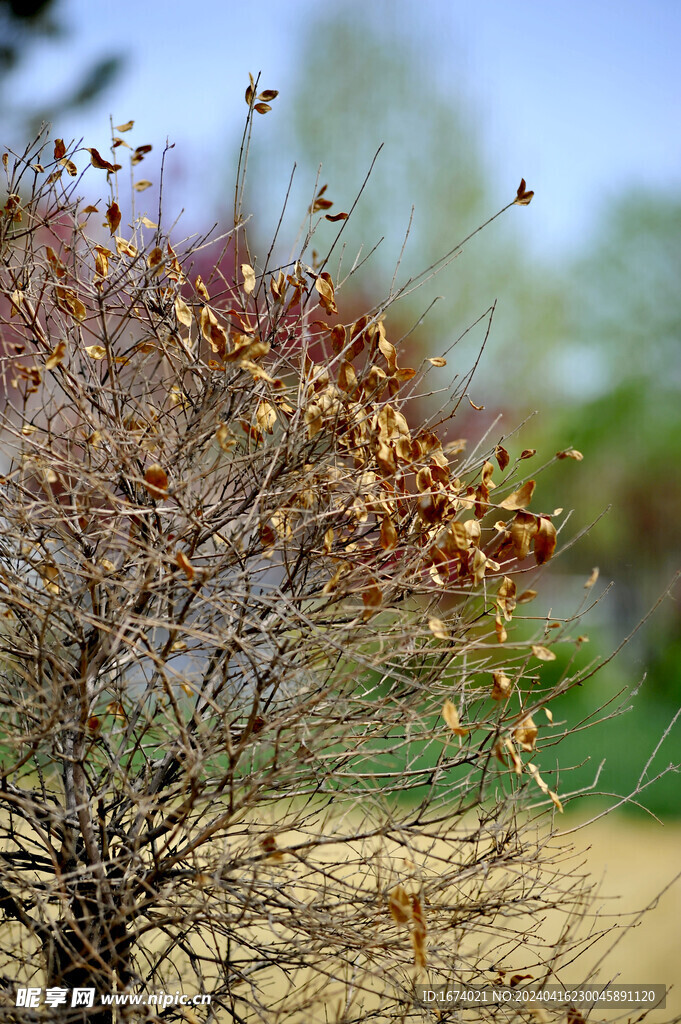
(520, 498)
(124, 127)
(526, 733)
(438, 629)
(95, 351)
(437, 361)
(183, 312)
(543, 653)
(124, 247)
(141, 185)
(69, 301)
(249, 278)
(56, 355)
(501, 686)
(451, 717)
(570, 453)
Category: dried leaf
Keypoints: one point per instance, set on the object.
(543, 653)
(156, 481)
(570, 453)
(501, 686)
(98, 161)
(183, 312)
(523, 197)
(451, 717)
(438, 629)
(59, 149)
(526, 596)
(56, 356)
(527, 453)
(262, 108)
(592, 578)
(520, 498)
(400, 905)
(502, 457)
(336, 217)
(418, 933)
(249, 278)
(96, 351)
(388, 534)
(523, 529)
(324, 286)
(544, 540)
(181, 558)
(437, 361)
(526, 733)
(142, 185)
(139, 154)
(69, 301)
(124, 127)
(113, 218)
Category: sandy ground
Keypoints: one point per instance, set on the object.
(636, 860)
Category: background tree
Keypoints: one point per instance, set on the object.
(22, 23)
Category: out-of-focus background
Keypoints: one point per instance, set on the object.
(581, 99)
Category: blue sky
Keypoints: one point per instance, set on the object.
(583, 97)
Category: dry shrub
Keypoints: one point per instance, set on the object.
(273, 712)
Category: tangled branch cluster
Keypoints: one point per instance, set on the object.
(271, 717)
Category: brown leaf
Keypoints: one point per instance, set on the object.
(527, 453)
(523, 197)
(124, 127)
(502, 457)
(506, 598)
(418, 933)
(98, 161)
(544, 540)
(56, 264)
(570, 453)
(501, 686)
(400, 905)
(139, 154)
(113, 218)
(183, 562)
(268, 95)
(59, 149)
(156, 481)
(262, 108)
(388, 534)
(141, 185)
(333, 217)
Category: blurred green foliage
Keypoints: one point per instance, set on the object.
(592, 344)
